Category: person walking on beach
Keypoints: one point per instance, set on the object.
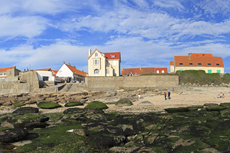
(165, 95)
(169, 95)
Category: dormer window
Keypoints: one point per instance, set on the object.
(180, 63)
(113, 55)
(190, 63)
(209, 64)
(96, 55)
(217, 64)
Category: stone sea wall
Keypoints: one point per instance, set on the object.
(132, 81)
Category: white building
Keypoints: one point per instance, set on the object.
(70, 73)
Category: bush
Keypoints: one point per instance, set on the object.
(48, 105)
(96, 105)
(73, 104)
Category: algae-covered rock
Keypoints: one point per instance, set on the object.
(210, 104)
(73, 110)
(12, 135)
(48, 105)
(73, 104)
(26, 110)
(96, 105)
(124, 102)
(215, 108)
(175, 110)
(194, 108)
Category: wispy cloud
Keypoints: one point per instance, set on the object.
(175, 4)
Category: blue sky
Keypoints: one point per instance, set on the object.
(148, 33)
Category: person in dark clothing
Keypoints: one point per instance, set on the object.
(165, 95)
(169, 95)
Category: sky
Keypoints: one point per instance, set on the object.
(149, 33)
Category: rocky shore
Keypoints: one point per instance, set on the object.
(194, 119)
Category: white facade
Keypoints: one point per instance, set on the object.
(45, 76)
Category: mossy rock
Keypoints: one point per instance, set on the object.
(225, 104)
(194, 108)
(48, 105)
(210, 104)
(26, 110)
(73, 111)
(215, 108)
(124, 102)
(96, 105)
(175, 110)
(73, 104)
(19, 104)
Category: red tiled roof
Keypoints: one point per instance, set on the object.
(204, 60)
(161, 70)
(139, 71)
(5, 69)
(113, 55)
(78, 72)
(108, 56)
(131, 70)
(54, 72)
(201, 54)
(171, 62)
(46, 69)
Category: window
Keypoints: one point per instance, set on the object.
(113, 55)
(4, 74)
(209, 64)
(209, 71)
(190, 63)
(95, 62)
(181, 70)
(45, 78)
(96, 71)
(96, 55)
(180, 63)
(108, 64)
(162, 71)
(157, 71)
(199, 63)
(217, 64)
(218, 71)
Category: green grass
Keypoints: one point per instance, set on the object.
(199, 77)
(96, 105)
(73, 104)
(48, 105)
(18, 104)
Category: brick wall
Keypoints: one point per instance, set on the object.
(132, 81)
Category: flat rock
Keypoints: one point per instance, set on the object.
(145, 103)
(12, 135)
(26, 110)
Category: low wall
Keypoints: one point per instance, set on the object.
(132, 81)
(10, 88)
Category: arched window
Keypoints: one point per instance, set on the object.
(96, 71)
(162, 71)
(96, 55)
(157, 71)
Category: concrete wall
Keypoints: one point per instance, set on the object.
(132, 81)
(30, 77)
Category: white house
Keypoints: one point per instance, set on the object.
(47, 75)
(70, 73)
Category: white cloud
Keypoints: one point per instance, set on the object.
(215, 6)
(21, 26)
(169, 4)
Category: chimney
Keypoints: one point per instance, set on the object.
(189, 55)
(74, 66)
(63, 62)
(89, 52)
(68, 63)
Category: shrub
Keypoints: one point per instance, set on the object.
(96, 105)
(48, 105)
(73, 104)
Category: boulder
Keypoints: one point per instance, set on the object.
(73, 111)
(26, 110)
(175, 110)
(12, 135)
(124, 102)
